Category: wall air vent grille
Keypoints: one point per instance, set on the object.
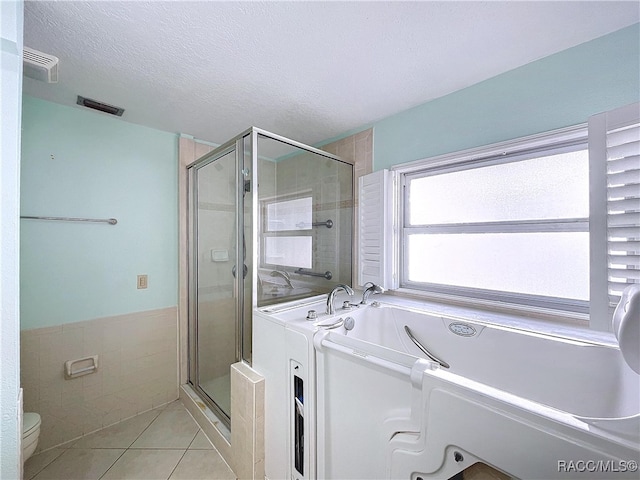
(101, 107)
(39, 66)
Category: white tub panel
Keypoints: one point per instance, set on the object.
(355, 401)
(269, 360)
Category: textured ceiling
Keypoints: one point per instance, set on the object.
(305, 70)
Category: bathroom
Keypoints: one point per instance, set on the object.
(76, 285)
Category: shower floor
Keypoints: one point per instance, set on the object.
(220, 390)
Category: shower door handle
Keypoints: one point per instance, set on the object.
(244, 257)
(245, 270)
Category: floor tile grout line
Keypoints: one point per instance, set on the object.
(212, 444)
(194, 438)
(206, 436)
(147, 427)
(46, 465)
(214, 449)
(160, 448)
(158, 416)
(51, 462)
(174, 468)
(115, 461)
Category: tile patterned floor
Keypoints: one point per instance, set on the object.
(163, 444)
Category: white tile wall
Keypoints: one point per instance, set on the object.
(247, 422)
(138, 370)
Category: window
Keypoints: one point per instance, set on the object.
(508, 224)
(545, 222)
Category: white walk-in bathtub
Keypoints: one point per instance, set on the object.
(531, 405)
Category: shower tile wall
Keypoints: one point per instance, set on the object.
(137, 371)
(358, 149)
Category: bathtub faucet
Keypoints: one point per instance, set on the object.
(370, 290)
(330, 308)
(285, 275)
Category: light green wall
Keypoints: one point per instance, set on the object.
(557, 91)
(79, 163)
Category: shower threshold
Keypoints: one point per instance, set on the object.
(205, 417)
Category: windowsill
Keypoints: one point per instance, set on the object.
(545, 322)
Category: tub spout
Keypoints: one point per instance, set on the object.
(330, 307)
(369, 290)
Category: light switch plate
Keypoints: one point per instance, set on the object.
(142, 281)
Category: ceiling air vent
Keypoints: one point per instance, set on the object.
(39, 66)
(102, 107)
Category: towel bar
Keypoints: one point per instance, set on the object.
(110, 221)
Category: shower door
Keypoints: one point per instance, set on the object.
(218, 270)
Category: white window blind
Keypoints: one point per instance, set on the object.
(375, 228)
(623, 208)
(614, 166)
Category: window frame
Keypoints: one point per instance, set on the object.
(548, 143)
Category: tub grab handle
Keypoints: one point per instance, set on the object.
(423, 349)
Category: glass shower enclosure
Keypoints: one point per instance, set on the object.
(270, 221)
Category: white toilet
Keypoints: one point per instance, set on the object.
(30, 433)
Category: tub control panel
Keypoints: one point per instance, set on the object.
(462, 329)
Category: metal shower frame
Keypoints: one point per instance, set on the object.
(243, 173)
